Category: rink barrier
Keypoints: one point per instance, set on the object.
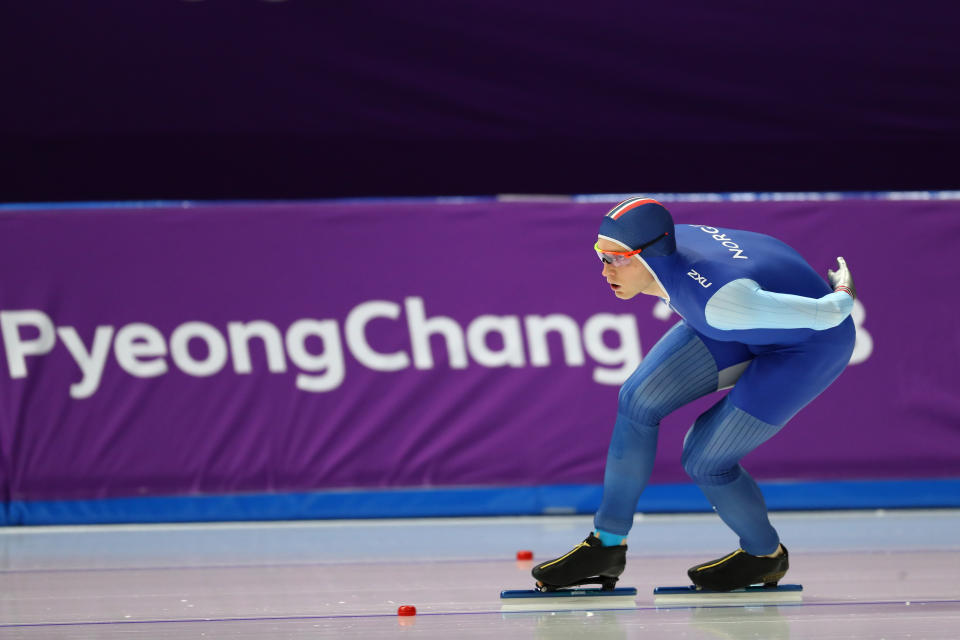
(109, 409)
(471, 501)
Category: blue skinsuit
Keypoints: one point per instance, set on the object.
(754, 314)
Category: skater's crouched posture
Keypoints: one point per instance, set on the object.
(755, 317)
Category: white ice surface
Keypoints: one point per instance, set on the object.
(865, 574)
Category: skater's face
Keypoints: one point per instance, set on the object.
(630, 279)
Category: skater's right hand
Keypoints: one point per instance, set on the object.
(841, 279)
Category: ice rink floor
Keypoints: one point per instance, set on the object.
(877, 575)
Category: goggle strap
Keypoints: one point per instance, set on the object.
(637, 250)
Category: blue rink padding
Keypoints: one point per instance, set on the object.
(469, 501)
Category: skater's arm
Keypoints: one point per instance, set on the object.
(742, 304)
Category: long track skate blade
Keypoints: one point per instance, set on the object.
(564, 599)
(690, 596)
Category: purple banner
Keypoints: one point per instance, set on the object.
(289, 347)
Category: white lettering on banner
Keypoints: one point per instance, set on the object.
(626, 353)
(355, 329)
(240, 334)
(16, 347)
(863, 347)
(421, 329)
(537, 329)
(314, 346)
(139, 340)
(330, 362)
(509, 329)
(216, 348)
(91, 363)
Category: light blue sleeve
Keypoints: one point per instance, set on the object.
(742, 304)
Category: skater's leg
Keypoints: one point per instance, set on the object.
(711, 454)
(774, 387)
(680, 368)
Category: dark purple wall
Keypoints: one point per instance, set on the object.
(254, 99)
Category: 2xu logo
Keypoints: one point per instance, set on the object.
(702, 281)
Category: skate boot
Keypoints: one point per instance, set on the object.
(588, 563)
(739, 570)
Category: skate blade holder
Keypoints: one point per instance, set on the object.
(690, 596)
(568, 599)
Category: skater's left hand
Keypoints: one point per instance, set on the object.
(841, 279)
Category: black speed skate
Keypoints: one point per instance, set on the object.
(588, 563)
(739, 570)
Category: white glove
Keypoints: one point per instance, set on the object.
(841, 280)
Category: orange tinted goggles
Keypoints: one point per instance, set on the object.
(620, 258)
(615, 258)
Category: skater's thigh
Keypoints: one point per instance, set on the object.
(681, 367)
(779, 383)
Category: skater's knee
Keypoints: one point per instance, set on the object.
(719, 439)
(707, 470)
(639, 406)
